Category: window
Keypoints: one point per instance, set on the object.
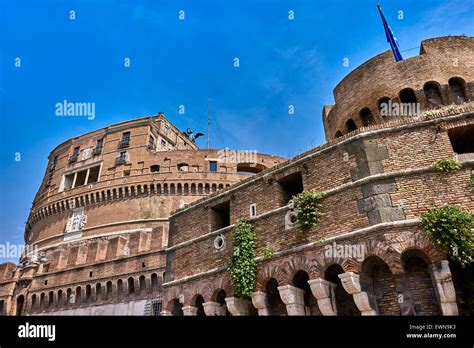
(338, 134)
(90, 274)
(122, 158)
(126, 172)
(253, 210)
(183, 167)
(50, 179)
(131, 285)
(155, 168)
(462, 139)
(163, 143)
(350, 125)
(151, 142)
(220, 216)
(290, 186)
(98, 147)
(123, 155)
(75, 155)
(212, 166)
(166, 129)
(407, 96)
(156, 308)
(250, 168)
(125, 142)
(80, 177)
(53, 164)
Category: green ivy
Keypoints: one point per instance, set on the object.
(308, 204)
(242, 266)
(451, 228)
(446, 165)
(266, 253)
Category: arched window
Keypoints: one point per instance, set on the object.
(433, 95)
(88, 293)
(131, 285)
(142, 285)
(119, 287)
(274, 301)
(108, 287)
(98, 291)
(20, 301)
(384, 107)
(300, 280)
(350, 125)
(366, 117)
(344, 301)
(457, 87)
(154, 281)
(338, 134)
(408, 101)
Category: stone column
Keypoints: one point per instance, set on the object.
(214, 309)
(293, 298)
(237, 306)
(190, 311)
(444, 287)
(365, 302)
(259, 301)
(324, 293)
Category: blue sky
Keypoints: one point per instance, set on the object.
(182, 62)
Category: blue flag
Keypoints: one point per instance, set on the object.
(391, 39)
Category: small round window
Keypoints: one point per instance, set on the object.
(219, 242)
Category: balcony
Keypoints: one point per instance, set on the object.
(73, 158)
(124, 143)
(97, 151)
(120, 160)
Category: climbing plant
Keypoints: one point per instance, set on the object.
(242, 267)
(266, 253)
(308, 204)
(446, 165)
(451, 227)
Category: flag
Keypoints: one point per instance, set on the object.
(391, 39)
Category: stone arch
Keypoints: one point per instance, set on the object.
(407, 95)
(403, 241)
(20, 303)
(98, 292)
(338, 134)
(420, 283)
(294, 265)
(275, 304)
(141, 285)
(108, 291)
(268, 272)
(378, 282)
(197, 301)
(131, 285)
(175, 307)
(322, 262)
(300, 280)
(59, 298)
(432, 90)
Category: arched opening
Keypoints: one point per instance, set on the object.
(33, 302)
(338, 134)
(274, 303)
(50, 299)
(198, 304)
(407, 96)
(142, 284)
(377, 280)
(433, 95)
(464, 286)
(108, 287)
(250, 168)
(176, 308)
(154, 282)
(350, 125)
(457, 88)
(60, 298)
(78, 295)
(366, 117)
(131, 285)
(42, 300)
(69, 299)
(344, 301)
(219, 297)
(88, 293)
(119, 288)
(420, 284)
(98, 292)
(384, 106)
(300, 280)
(20, 301)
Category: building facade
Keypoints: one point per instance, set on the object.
(140, 222)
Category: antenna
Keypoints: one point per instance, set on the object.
(209, 123)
